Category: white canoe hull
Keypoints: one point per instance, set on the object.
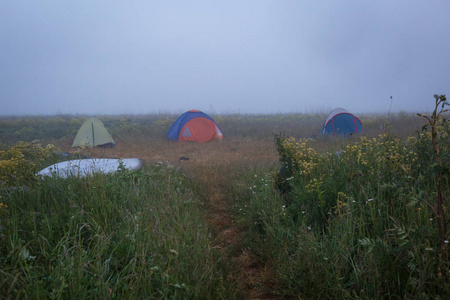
(87, 167)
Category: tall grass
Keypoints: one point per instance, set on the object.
(355, 223)
(354, 217)
(137, 234)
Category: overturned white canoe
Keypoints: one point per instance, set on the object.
(85, 167)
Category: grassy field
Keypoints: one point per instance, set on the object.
(355, 217)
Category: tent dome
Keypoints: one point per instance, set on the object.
(341, 122)
(195, 126)
(93, 133)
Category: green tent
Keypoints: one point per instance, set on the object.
(93, 133)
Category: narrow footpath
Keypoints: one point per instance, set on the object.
(217, 169)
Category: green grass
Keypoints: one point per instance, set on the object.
(129, 235)
(357, 223)
(356, 219)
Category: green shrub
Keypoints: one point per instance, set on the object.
(18, 162)
(357, 223)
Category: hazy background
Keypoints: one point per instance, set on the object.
(246, 56)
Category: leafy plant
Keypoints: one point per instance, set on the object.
(439, 130)
(356, 223)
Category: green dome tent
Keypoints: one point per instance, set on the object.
(93, 133)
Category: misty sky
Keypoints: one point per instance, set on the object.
(246, 56)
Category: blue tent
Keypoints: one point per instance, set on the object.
(194, 126)
(341, 122)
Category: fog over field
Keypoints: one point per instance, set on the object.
(246, 56)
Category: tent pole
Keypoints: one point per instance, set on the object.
(93, 138)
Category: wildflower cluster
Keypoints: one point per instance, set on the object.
(26, 131)
(380, 167)
(342, 206)
(163, 123)
(425, 147)
(125, 127)
(296, 154)
(378, 206)
(260, 183)
(314, 185)
(18, 163)
(384, 157)
(3, 206)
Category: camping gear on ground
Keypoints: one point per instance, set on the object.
(341, 122)
(195, 126)
(93, 133)
(87, 167)
(282, 178)
(68, 155)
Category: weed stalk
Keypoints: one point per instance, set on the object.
(433, 121)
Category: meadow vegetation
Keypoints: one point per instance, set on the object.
(139, 234)
(366, 221)
(345, 217)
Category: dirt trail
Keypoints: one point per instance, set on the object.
(216, 168)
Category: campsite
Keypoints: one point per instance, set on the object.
(207, 220)
(224, 150)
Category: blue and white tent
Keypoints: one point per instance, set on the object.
(341, 122)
